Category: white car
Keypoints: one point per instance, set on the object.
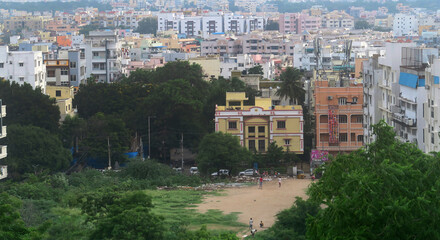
(221, 172)
(194, 170)
(247, 172)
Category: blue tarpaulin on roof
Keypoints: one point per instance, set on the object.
(421, 82)
(409, 80)
(436, 80)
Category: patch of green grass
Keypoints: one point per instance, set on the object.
(177, 207)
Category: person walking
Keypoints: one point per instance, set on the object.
(261, 224)
(279, 182)
(261, 182)
(251, 223)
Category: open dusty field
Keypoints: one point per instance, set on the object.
(258, 204)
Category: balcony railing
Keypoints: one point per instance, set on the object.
(3, 111)
(3, 132)
(3, 152)
(3, 171)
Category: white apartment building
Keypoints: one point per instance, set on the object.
(23, 67)
(405, 24)
(103, 56)
(3, 149)
(431, 108)
(191, 26)
(381, 87)
(168, 21)
(234, 23)
(212, 24)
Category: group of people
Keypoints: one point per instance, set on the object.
(260, 180)
(251, 226)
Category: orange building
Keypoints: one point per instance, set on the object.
(339, 116)
(64, 41)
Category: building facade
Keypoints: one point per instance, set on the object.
(23, 67)
(259, 125)
(3, 148)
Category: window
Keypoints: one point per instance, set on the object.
(64, 72)
(252, 145)
(232, 124)
(21, 64)
(342, 101)
(342, 137)
(50, 73)
(357, 119)
(323, 119)
(286, 141)
(261, 145)
(251, 129)
(261, 129)
(355, 100)
(21, 79)
(73, 78)
(360, 138)
(58, 93)
(95, 54)
(2, 65)
(281, 124)
(353, 137)
(342, 118)
(72, 64)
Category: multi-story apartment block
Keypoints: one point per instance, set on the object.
(338, 19)
(259, 125)
(212, 24)
(338, 114)
(168, 21)
(234, 23)
(297, 23)
(23, 67)
(64, 96)
(57, 72)
(381, 87)
(32, 23)
(191, 26)
(103, 56)
(431, 108)
(405, 24)
(3, 149)
(77, 67)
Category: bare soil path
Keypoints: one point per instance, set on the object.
(258, 204)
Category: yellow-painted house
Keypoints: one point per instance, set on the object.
(64, 97)
(259, 125)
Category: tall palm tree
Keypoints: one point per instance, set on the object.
(291, 86)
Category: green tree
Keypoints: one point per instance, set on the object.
(27, 106)
(361, 24)
(258, 69)
(274, 154)
(33, 150)
(12, 226)
(272, 25)
(102, 129)
(128, 217)
(386, 191)
(291, 223)
(147, 26)
(291, 86)
(221, 151)
(71, 130)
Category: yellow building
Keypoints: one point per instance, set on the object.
(27, 22)
(210, 66)
(259, 125)
(64, 97)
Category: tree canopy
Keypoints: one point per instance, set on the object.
(221, 151)
(147, 26)
(258, 69)
(33, 150)
(387, 191)
(27, 106)
(291, 86)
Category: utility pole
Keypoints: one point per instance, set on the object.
(141, 148)
(181, 149)
(109, 154)
(149, 136)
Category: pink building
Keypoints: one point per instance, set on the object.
(298, 22)
(149, 64)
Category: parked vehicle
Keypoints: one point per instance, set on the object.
(247, 172)
(178, 170)
(194, 170)
(221, 172)
(300, 174)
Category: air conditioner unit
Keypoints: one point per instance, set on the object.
(329, 97)
(410, 122)
(427, 87)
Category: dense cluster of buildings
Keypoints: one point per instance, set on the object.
(353, 77)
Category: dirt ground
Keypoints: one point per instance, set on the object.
(258, 204)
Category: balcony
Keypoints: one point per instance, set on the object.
(3, 151)
(3, 132)
(3, 171)
(3, 111)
